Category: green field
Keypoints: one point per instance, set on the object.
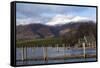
(40, 42)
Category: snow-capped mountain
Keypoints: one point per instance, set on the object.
(35, 31)
(63, 19)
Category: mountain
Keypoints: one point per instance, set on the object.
(33, 31)
(37, 31)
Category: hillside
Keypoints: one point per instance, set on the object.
(37, 31)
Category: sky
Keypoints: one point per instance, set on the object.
(52, 14)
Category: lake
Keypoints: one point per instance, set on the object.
(36, 52)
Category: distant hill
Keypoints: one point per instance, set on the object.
(36, 31)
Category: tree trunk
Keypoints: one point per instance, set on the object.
(22, 53)
(45, 54)
(57, 47)
(83, 49)
(25, 53)
(64, 52)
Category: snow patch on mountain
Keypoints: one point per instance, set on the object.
(63, 19)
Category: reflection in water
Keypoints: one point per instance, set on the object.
(39, 52)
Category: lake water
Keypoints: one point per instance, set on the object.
(52, 52)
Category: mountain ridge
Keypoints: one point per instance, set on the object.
(37, 31)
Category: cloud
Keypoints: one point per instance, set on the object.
(59, 19)
(27, 21)
(32, 10)
(32, 20)
(39, 13)
(63, 19)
